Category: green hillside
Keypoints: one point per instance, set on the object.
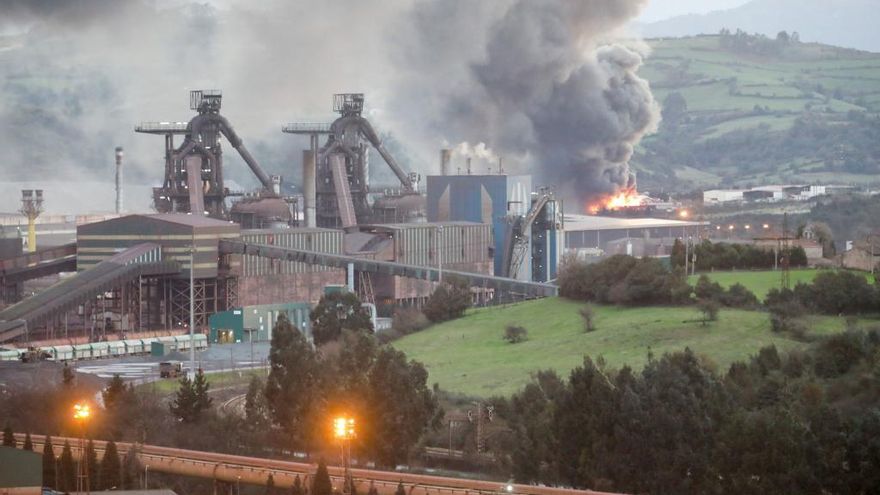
(742, 109)
(760, 282)
(468, 355)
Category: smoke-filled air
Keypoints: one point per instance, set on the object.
(544, 85)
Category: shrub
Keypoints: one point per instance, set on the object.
(408, 320)
(515, 334)
(737, 296)
(588, 315)
(706, 289)
(709, 309)
(449, 300)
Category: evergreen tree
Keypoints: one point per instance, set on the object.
(28, 443)
(255, 411)
(203, 401)
(114, 394)
(270, 485)
(184, 405)
(449, 300)
(321, 485)
(297, 488)
(67, 474)
(131, 470)
(49, 464)
(400, 489)
(93, 466)
(292, 389)
(111, 468)
(68, 377)
(401, 406)
(8, 437)
(336, 313)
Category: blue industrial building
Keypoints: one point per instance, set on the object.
(480, 198)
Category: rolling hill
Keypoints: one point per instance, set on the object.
(742, 109)
(469, 356)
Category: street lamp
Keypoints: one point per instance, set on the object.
(343, 429)
(81, 414)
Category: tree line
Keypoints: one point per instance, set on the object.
(803, 422)
(708, 255)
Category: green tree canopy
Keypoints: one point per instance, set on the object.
(293, 387)
(111, 468)
(337, 312)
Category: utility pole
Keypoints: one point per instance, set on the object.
(192, 310)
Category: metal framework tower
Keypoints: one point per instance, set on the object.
(785, 254)
(342, 164)
(194, 171)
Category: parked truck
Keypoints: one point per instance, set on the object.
(170, 369)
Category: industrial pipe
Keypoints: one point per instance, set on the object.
(373, 138)
(255, 471)
(236, 143)
(445, 158)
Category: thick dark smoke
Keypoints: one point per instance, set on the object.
(537, 81)
(553, 91)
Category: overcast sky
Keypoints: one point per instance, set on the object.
(658, 10)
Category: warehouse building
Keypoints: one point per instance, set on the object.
(592, 237)
(255, 323)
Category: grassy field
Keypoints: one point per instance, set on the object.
(216, 380)
(760, 282)
(469, 356)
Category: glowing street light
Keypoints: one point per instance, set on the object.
(766, 226)
(683, 214)
(748, 227)
(343, 429)
(81, 412)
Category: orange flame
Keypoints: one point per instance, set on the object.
(625, 198)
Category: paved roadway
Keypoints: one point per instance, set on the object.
(216, 358)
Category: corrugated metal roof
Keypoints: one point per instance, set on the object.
(576, 223)
(188, 219)
(404, 226)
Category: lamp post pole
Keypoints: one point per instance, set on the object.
(192, 310)
(81, 413)
(343, 429)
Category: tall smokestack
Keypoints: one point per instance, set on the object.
(119, 155)
(308, 185)
(445, 158)
(469, 165)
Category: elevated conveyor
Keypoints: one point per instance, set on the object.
(140, 260)
(40, 263)
(507, 285)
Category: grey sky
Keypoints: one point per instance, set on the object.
(658, 10)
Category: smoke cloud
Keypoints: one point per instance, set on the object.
(540, 82)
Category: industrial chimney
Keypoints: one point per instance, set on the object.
(308, 185)
(469, 165)
(119, 179)
(445, 158)
(31, 207)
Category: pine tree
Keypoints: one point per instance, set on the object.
(114, 394)
(111, 468)
(270, 485)
(322, 485)
(67, 474)
(183, 407)
(400, 489)
(67, 376)
(297, 488)
(48, 464)
(28, 443)
(200, 393)
(92, 463)
(131, 469)
(8, 437)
